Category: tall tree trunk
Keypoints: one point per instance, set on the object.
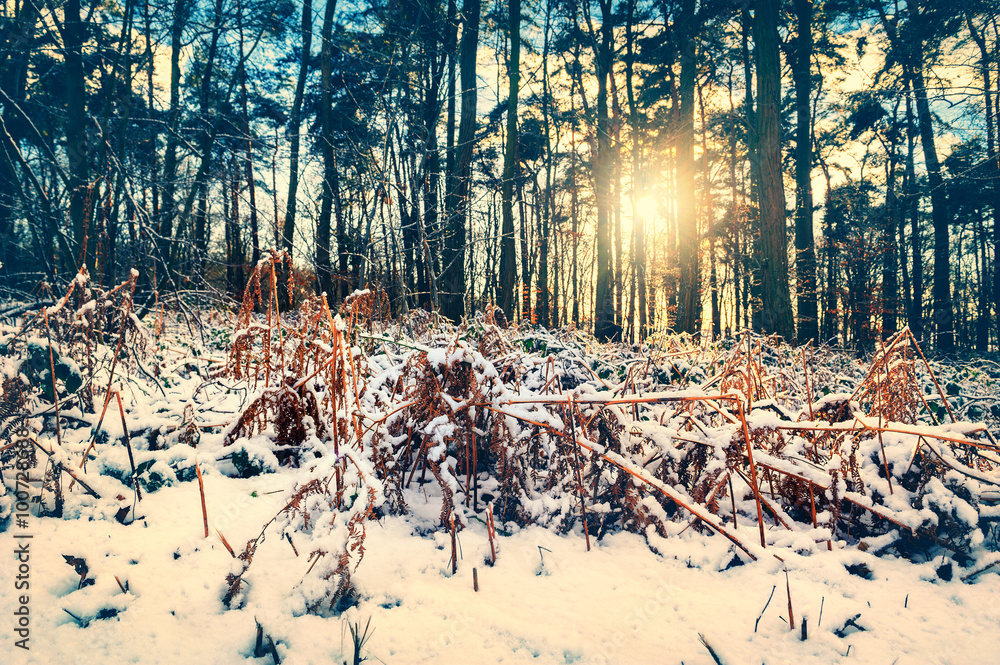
(689, 288)
(453, 302)
(544, 318)
(805, 250)
(324, 268)
(248, 162)
(890, 278)
(508, 261)
(751, 255)
(776, 307)
(638, 182)
(993, 169)
(943, 314)
(74, 34)
(294, 138)
(604, 326)
(709, 218)
(574, 194)
(170, 159)
(916, 315)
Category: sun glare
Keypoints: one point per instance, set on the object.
(647, 208)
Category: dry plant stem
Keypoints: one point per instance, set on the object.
(878, 361)
(881, 444)
(277, 317)
(204, 508)
(225, 542)
(680, 501)
(982, 570)
(66, 469)
(933, 377)
(93, 437)
(896, 430)
(118, 347)
(732, 498)
(491, 532)
(753, 472)
(791, 616)
(579, 477)
(809, 399)
(770, 506)
(128, 447)
(52, 369)
(475, 580)
(454, 550)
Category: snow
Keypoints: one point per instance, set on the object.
(618, 603)
(639, 597)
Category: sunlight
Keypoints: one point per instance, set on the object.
(647, 207)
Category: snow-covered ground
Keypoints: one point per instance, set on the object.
(669, 590)
(547, 600)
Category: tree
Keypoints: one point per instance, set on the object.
(689, 290)
(294, 132)
(460, 183)
(805, 252)
(776, 309)
(508, 262)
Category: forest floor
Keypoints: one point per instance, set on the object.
(302, 493)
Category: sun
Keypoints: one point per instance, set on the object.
(646, 207)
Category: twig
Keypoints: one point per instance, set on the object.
(757, 622)
(204, 509)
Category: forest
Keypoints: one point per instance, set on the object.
(536, 331)
(821, 169)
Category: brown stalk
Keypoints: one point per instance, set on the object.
(454, 550)
(221, 537)
(809, 400)
(579, 476)
(933, 377)
(788, 589)
(753, 472)
(128, 447)
(204, 508)
(491, 532)
(52, 369)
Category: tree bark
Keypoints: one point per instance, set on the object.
(508, 261)
(776, 309)
(74, 36)
(689, 287)
(294, 138)
(805, 249)
(453, 277)
(324, 268)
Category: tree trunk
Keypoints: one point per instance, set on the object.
(916, 317)
(890, 278)
(294, 137)
(453, 277)
(638, 183)
(604, 325)
(248, 162)
(508, 261)
(776, 309)
(689, 287)
(943, 314)
(74, 35)
(544, 318)
(170, 160)
(805, 250)
(324, 268)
